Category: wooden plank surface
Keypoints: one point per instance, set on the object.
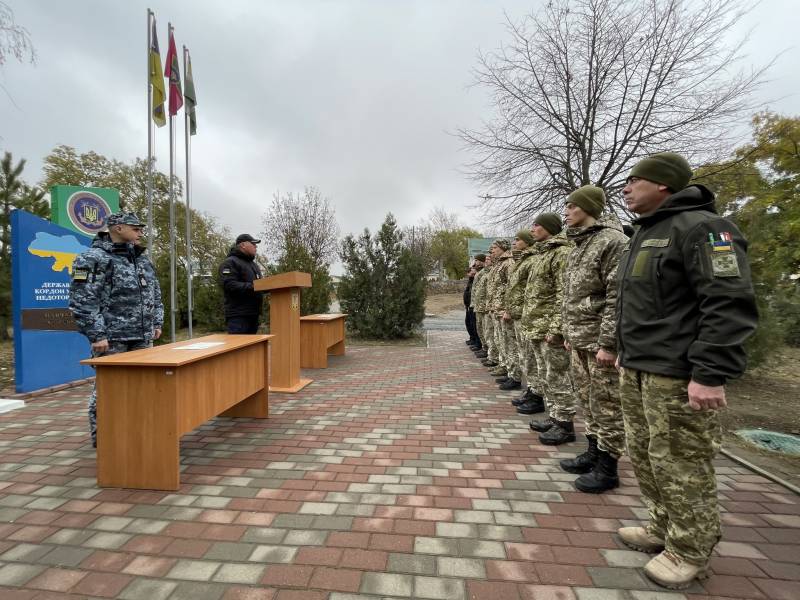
(324, 317)
(171, 355)
(283, 281)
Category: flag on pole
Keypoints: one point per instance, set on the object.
(189, 95)
(174, 75)
(157, 79)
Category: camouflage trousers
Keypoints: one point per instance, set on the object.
(499, 340)
(491, 345)
(552, 362)
(527, 362)
(672, 447)
(114, 347)
(597, 389)
(479, 326)
(511, 349)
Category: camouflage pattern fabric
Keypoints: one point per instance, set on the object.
(517, 281)
(478, 300)
(672, 448)
(499, 339)
(541, 312)
(491, 344)
(511, 350)
(498, 283)
(552, 361)
(114, 293)
(479, 327)
(590, 285)
(597, 389)
(114, 347)
(527, 360)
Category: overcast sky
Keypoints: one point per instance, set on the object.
(356, 97)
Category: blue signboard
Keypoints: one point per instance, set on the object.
(47, 346)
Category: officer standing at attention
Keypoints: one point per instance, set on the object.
(685, 308)
(114, 295)
(236, 274)
(478, 299)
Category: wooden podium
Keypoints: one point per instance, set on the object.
(284, 324)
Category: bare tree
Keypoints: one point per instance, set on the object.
(15, 40)
(584, 88)
(306, 221)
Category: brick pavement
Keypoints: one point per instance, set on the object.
(402, 472)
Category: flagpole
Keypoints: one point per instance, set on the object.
(188, 199)
(150, 232)
(172, 310)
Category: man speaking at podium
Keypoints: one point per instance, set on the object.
(237, 274)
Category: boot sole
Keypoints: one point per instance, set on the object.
(595, 491)
(529, 412)
(577, 471)
(641, 547)
(540, 430)
(676, 586)
(547, 442)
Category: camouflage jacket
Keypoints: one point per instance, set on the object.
(114, 293)
(590, 285)
(517, 280)
(478, 302)
(499, 283)
(544, 293)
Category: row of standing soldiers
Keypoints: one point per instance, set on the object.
(641, 333)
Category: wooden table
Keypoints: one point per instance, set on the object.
(321, 335)
(147, 399)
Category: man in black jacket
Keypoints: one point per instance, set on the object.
(237, 274)
(684, 310)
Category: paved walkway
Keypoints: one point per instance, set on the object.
(401, 472)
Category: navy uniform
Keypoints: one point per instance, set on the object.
(114, 296)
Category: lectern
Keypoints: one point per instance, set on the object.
(284, 324)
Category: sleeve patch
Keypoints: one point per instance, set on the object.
(655, 243)
(226, 271)
(725, 264)
(80, 274)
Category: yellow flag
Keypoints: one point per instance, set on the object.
(157, 80)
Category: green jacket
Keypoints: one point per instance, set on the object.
(686, 304)
(590, 286)
(544, 292)
(499, 282)
(517, 280)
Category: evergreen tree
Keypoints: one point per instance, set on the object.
(383, 289)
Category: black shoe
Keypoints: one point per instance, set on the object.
(583, 463)
(602, 478)
(481, 353)
(511, 384)
(475, 347)
(526, 395)
(501, 380)
(489, 363)
(542, 426)
(531, 407)
(94, 443)
(470, 341)
(560, 433)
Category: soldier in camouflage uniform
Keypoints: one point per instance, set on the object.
(478, 302)
(589, 323)
(114, 295)
(496, 300)
(686, 306)
(542, 324)
(522, 252)
(492, 353)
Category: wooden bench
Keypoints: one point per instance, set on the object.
(147, 399)
(321, 335)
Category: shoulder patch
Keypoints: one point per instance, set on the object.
(656, 243)
(226, 271)
(80, 274)
(725, 264)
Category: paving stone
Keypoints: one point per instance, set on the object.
(18, 574)
(26, 553)
(412, 563)
(65, 556)
(229, 551)
(429, 545)
(148, 589)
(198, 591)
(195, 570)
(273, 554)
(387, 584)
(438, 588)
(460, 567)
(239, 573)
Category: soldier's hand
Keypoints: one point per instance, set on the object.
(554, 339)
(567, 347)
(605, 358)
(706, 397)
(506, 316)
(156, 333)
(100, 347)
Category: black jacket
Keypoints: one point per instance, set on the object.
(236, 274)
(686, 304)
(468, 292)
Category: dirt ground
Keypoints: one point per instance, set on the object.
(441, 304)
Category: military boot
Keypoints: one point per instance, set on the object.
(488, 362)
(560, 433)
(602, 478)
(543, 425)
(671, 571)
(510, 384)
(499, 371)
(639, 539)
(583, 463)
(526, 395)
(481, 353)
(531, 407)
